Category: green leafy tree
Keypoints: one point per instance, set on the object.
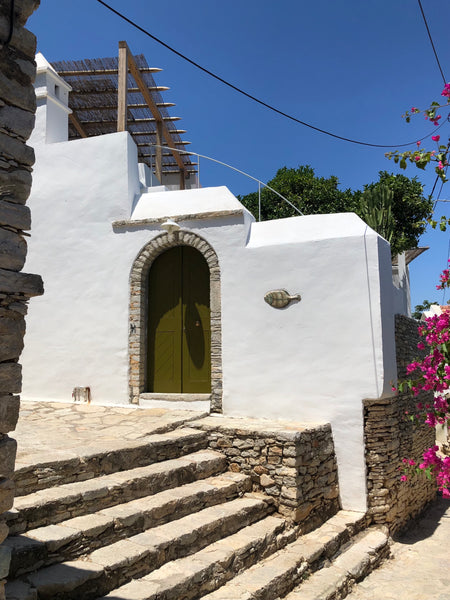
(310, 194)
(319, 195)
(418, 310)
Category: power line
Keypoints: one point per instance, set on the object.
(250, 96)
(431, 40)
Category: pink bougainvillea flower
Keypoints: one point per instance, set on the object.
(435, 138)
(418, 144)
(445, 91)
(403, 478)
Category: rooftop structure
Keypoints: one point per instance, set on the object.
(120, 94)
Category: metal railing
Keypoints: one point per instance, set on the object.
(260, 183)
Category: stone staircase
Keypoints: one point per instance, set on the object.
(175, 526)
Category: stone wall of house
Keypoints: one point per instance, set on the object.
(390, 436)
(295, 465)
(17, 108)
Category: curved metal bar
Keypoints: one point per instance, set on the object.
(234, 169)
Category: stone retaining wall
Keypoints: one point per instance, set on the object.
(295, 465)
(390, 436)
(17, 108)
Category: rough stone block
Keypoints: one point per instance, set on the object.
(22, 39)
(13, 148)
(6, 494)
(17, 120)
(15, 85)
(12, 331)
(25, 283)
(4, 530)
(5, 559)
(22, 10)
(14, 215)
(10, 378)
(15, 184)
(13, 250)
(8, 448)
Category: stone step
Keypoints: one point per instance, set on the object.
(151, 449)
(53, 505)
(352, 565)
(116, 564)
(80, 535)
(279, 573)
(200, 573)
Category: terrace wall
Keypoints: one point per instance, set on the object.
(390, 436)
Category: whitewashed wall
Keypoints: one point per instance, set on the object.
(313, 361)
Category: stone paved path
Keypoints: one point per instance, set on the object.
(54, 430)
(420, 567)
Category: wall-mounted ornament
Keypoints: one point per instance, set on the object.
(281, 298)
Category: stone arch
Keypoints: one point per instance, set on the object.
(138, 311)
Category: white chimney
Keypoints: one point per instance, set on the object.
(52, 97)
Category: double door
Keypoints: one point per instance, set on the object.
(179, 331)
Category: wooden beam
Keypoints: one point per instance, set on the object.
(156, 88)
(113, 90)
(122, 87)
(179, 131)
(153, 108)
(141, 105)
(103, 72)
(158, 154)
(129, 121)
(76, 123)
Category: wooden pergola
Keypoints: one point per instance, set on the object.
(120, 94)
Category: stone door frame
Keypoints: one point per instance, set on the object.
(137, 337)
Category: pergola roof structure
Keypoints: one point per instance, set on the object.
(119, 93)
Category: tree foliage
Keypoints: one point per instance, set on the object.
(420, 308)
(320, 195)
(410, 209)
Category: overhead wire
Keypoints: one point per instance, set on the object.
(250, 96)
(431, 41)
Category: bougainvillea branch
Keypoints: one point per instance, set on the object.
(419, 156)
(432, 373)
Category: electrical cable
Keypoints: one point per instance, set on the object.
(431, 41)
(244, 93)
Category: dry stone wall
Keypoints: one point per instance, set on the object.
(390, 436)
(295, 465)
(17, 109)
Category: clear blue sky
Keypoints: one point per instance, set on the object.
(350, 67)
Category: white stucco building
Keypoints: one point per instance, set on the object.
(98, 230)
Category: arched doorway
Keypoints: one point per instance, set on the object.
(138, 315)
(179, 323)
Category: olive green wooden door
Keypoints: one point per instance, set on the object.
(179, 336)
